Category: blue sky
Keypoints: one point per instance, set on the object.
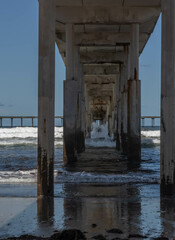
(19, 63)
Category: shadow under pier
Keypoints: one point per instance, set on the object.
(99, 160)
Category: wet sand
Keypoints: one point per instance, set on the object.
(92, 208)
(136, 209)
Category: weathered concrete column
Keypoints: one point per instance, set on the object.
(70, 99)
(124, 114)
(134, 98)
(87, 113)
(124, 102)
(167, 167)
(80, 131)
(118, 112)
(46, 98)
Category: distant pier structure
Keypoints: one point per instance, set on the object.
(100, 42)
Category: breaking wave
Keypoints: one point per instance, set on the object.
(150, 138)
(99, 137)
(76, 177)
(25, 136)
(18, 165)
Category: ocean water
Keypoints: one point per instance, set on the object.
(100, 189)
(18, 153)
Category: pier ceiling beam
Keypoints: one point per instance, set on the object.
(114, 3)
(102, 49)
(102, 58)
(99, 79)
(102, 38)
(106, 15)
(101, 92)
(146, 27)
(101, 69)
(99, 100)
(107, 87)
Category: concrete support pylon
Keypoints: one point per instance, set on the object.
(80, 131)
(134, 98)
(70, 99)
(46, 98)
(124, 103)
(118, 111)
(167, 166)
(87, 113)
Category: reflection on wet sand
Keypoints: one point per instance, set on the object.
(106, 207)
(45, 210)
(168, 216)
(95, 208)
(100, 160)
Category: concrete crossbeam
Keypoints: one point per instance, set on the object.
(106, 15)
(91, 86)
(145, 27)
(103, 58)
(99, 79)
(114, 3)
(102, 38)
(101, 69)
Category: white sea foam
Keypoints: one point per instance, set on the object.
(151, 133)
(150, 138)
(99, 136)
(76, 177)
(99, 131)
(150, 142)
(18, 176)
(25, 132)
(25, 136)
(100, 143)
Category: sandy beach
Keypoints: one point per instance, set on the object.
(99, 193)
(92, 208)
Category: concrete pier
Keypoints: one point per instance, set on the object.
(46, 98)
(109, 44)
(100, 43)
(168, 98)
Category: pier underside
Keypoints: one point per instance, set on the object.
(100, 43)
